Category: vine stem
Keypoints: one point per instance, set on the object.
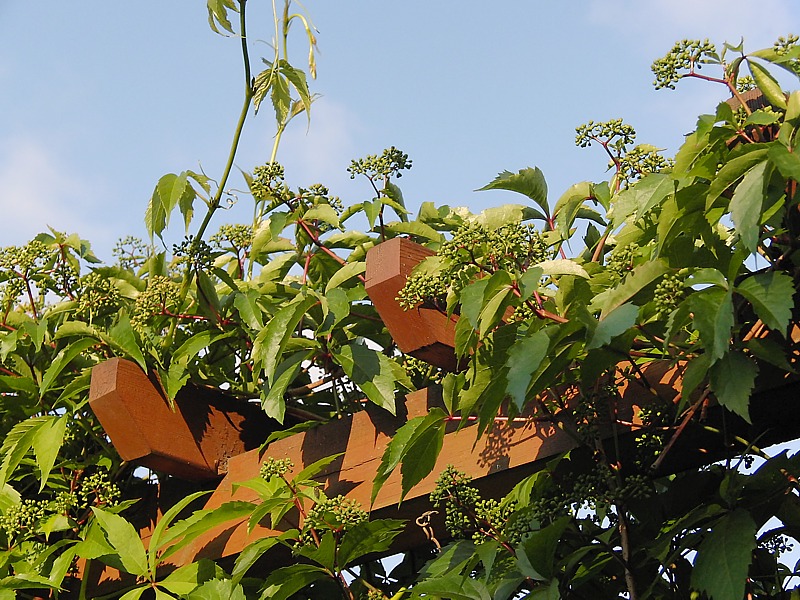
(215, 202)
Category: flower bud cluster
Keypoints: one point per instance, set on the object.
(390, 163)
(474, 249)
(130, 253)
(684, 58)
(268, 181)
(337, 514)
(621, 260)
(195, 252)
(668, 294)
(233, 237)
(275, 467)
(641, 160)
(97, 489)
(98, 296)
(160, 295)
(615, 134)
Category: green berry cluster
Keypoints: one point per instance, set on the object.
(777, 544)
(267, 182)
(668, 294)
(98, 296)
(621, 260)
(275, 467)
(614, 134)
(420, 372)
(159, 296)
(469, 515)
(63, 503)
(475, 249)
(23, 260)
(685, 56)
(785, 44)
(390, 163)
(641, 160)
(130, 253)
(376, 594)
(745, 83)
(317, 194)
(453, 490)
(21, 520)
(97, 489)
(195, 252)
(233, 237)
(337, 514)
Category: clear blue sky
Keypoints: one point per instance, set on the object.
(99, 99)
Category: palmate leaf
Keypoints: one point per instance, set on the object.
(724, 556)
(271, 341)
(407, 445)
(125, 541)
(44, 435)
(524, 359)
(712, 311)
(772, 297)
(373, 372)
(529, 182)
(747, 204)
(732, 380)
(218, 15)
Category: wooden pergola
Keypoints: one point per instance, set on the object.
(211, 441)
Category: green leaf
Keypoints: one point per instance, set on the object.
(747, 202)
(122, 337)
(371, 371)
(187, 578)
(567, 207)
(529, 182)
(401, 445)
(695, 373)
(423, 450)
(286, 581)
(346, 273)
(19, 441)
(452, 586)
(272, 400)
(767, 84)
(61, 361)
(415, 228)
(218, 15)
(316, 467)
(707, 276)
(46, 442)
(249, 310)
(732, 380)
(185, 531)
(724, 556)
(323, 212)
(642, 276)
(524, 359)
(298, 80)
(615, 323)
(772, 297)
(366, 538)
(248, 557)
(124, 539)
(639, 199)
(713, 318)
(788, 163)
(164, 522)
(536, 555)
(271, 341)
(562, 266)
(216, 589)
(732, 171)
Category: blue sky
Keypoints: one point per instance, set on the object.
(99, 99)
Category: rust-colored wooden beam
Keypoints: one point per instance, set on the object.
(193, 441)
(423, 333)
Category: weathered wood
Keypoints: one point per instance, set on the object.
(193, 441)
